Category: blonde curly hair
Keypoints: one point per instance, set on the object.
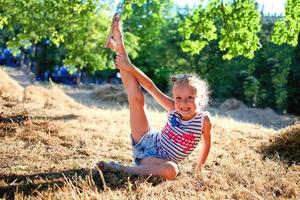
(200, 86)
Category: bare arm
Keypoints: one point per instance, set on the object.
(206, 143)
(123, 62)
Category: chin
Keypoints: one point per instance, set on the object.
(187, 114)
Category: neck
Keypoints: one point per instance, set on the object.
(188, 117)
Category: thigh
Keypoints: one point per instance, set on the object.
(155, 161)
(164, 168)
(138, 121)
(138, 118)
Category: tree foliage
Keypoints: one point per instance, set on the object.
(78, 27)
(198, 30)
(287, 29)
(240, 24)
(152, 24)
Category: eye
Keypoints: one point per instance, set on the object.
(191, 97)
(177, 98)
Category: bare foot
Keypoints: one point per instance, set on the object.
(115, 39)
(109, 166)
(109, 37)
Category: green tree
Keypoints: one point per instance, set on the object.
(287, 29)
(77, 27)
(239, 28)
(293, 104)
(265, 79)
(154, 23)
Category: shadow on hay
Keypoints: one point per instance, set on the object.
(32, 184)
(285, 146)
(58, 118)
(20, 118)
(16, 118)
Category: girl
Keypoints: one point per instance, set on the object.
(158, 153)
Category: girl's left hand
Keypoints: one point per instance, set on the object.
(202, 173)
(199, 170)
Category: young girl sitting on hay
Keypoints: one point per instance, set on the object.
(158, 153)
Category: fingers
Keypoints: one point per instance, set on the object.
(117, 60)
(120, 60)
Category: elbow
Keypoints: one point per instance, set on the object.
(206, 145)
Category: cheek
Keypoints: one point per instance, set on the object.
(177, 105)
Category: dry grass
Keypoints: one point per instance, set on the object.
(10, 90)
(286, 145)
(110, 93)
(47, 152)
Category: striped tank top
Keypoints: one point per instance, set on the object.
(179, 138)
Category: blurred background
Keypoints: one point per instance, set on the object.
(244, 49)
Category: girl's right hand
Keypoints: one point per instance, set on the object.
(122, 62)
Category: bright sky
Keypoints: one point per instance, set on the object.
(269, 6)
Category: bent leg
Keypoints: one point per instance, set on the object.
(155, 167)
(167, 169)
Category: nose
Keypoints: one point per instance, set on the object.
(185, 100)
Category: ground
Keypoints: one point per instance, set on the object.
(52, 136)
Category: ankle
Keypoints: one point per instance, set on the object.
(119, 39)
(120, 49)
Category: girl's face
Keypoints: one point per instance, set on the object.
(186, 101)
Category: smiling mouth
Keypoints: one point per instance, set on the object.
(185, 109)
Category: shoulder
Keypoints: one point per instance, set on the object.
(171, 112)
(206, 129)
(207, 121)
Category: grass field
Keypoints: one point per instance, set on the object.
(50, 143)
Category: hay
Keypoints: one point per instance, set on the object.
(53, 97)
(266, 117)
(231, 104)
(286, 145)
(37, 96)
(10, 90)
(110, 93)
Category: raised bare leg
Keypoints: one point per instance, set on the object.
(138, 119)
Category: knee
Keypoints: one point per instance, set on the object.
(135, 96)
(171, 171)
